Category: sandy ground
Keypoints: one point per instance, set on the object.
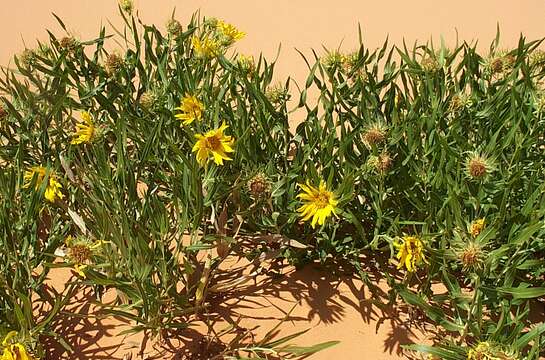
(330, 307)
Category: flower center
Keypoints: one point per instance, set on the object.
(214, 143)
(322, 200)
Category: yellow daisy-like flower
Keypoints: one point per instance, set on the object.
(85, 131)
(319, 203)
(191, 109)
(230, 32)
(14, 351)
(476, 227)
(53, 189)
(410, 252)
(214, 143)
(205, 47)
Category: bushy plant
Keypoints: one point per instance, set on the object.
(143, 168)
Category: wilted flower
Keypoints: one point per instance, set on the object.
(499, 63)
(114, 63)
(174, 27)
(478, 166)
(191, 109)
(214, 144)
(14, 350)
(472, 256)
(318, 203)
(374, 134)
(85, 130)
(53, 188)
(410, 252)
(380, 163)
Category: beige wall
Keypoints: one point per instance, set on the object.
(294, 23)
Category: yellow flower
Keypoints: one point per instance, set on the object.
(85, 131)
(230, 32)
(191, 109)
(205, 47)
(52, 190)
(476, 227)
(410, 252)
(319, 203)
(14, 351)
(214, 143)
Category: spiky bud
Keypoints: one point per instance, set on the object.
(276, 94)
(478, 167)
(259, 186)
(429, 64)
(333, 60)
(68, 44)
(174, 27)
(114, 63)
(246, 63)
(374, 135)
(27, 58)
(148, 100)
(3, 112)
(126, 5)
